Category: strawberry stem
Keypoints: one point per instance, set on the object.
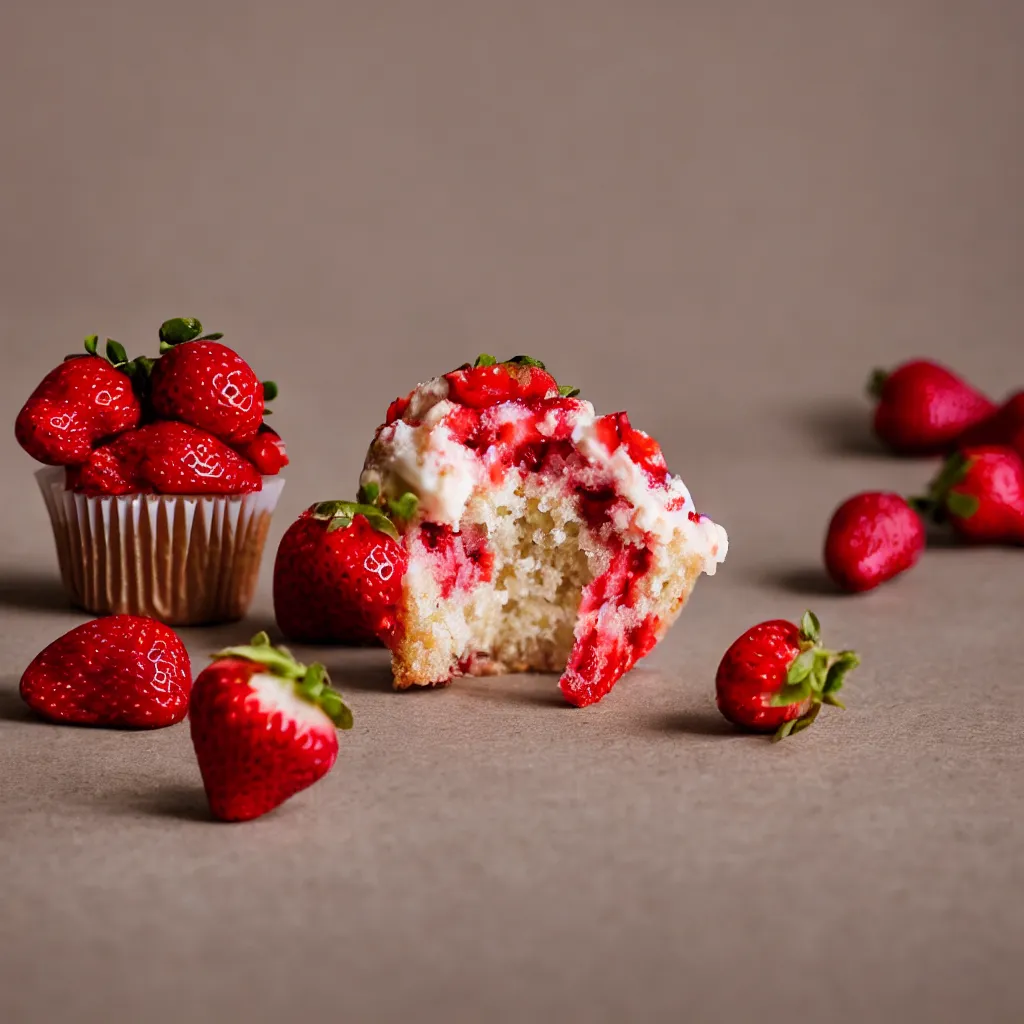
(876, 382)
(815, 674)
(941, 500)
(341, 513)
(312, 683)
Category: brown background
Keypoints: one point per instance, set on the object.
(717, 215)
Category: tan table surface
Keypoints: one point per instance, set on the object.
(719, 216)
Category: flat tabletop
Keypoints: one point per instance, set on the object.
(717, 218)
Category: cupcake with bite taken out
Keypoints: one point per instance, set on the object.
(161, 475)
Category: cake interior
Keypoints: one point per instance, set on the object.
(531, 582)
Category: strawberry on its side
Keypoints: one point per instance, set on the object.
(871, 538)
(266, 451)
(1004, 426)
(776, 676)
(980, 493)
(923, 407)
(77, 404)
(199, 381)
(124, 670)
(264, 727)
(169, 458)
(488, 382)
(338, 575)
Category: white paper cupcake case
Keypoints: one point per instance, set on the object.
(182, 560)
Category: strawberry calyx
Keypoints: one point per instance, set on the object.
(876, 382)
(180, 329)
(311, 682)
(941, 500)
(815, 674)
(339, 516)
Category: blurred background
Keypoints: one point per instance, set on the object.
(718, 215)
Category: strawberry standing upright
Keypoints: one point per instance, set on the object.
(980, 493)
(79, 403)
(923, 407)
(338, 575)
(199, 381)
(126, 671)
(264, 727)
(871, 538)
(776, 676)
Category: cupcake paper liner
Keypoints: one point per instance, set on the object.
(185, 560)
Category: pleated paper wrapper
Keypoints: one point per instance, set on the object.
(181, 559)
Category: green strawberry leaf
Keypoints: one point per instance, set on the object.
(270, 391)
(791, 693)
(369, 493)
(845, 662)
(216, 336)
(961, 505)
(876, 382)
(801, 667)
(404, 508)
(179, 330)
(116, 353)
(810, 628)
(484, 360)
(92, 344)
(568, 391)
(527, 361)
(341, 513)
(784, 730)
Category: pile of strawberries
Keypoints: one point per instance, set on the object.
(924, 409)
(190, 421)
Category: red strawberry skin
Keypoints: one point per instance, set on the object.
(266, 451)
(753, 670)
(923, 408)
(337, 586)
(210, 386)
(166, 458)
(871, 538)
(479, 387)
(76, 404)
(125, 671)
(1004, 426)
(994, 479)
(254, 751)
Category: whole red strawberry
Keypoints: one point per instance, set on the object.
(123, 670)
(266, 451)
(871, 538)
(980, 493)
(166, 458)
(1004, 426)
(199, 381)
(923, 407)
(264, 727)
(488, 382)
(338, 575)
(777, 675)
(85, 399)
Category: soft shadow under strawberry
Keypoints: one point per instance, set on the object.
(185, 803)
(13, 708)
(805, 580)
(695, 723)
(841, 428)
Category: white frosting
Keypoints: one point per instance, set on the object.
(428, 460)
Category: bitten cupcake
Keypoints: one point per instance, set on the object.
(161, 478)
